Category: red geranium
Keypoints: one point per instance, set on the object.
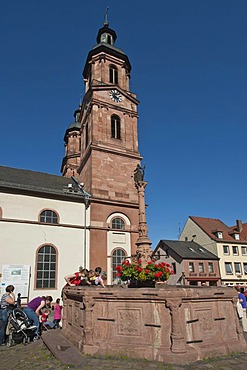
(152, 271)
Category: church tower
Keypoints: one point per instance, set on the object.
(106, 130)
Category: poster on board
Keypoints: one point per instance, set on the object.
(17, 275)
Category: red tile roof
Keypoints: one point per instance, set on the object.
(211, 225)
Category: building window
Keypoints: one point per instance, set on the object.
(115, 127)
(228, 267)
(226, 249)
(192, 249)
(49, 217)
(201, 267)
(245, 268)
(46, 267)
(117, 257)
(201, 250)
(113, 74)
(210, 267)
(237, 268)
(191, 267)
(118, 223)
(244, 251)
(236, 236)
(235, 250)
(219, 235)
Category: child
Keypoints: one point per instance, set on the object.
(43, 318)
(95, 277)
(57, 314)
(18, 301)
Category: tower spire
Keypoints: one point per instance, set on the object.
(106, 23)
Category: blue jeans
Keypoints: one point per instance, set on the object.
(32, 316)
(5, 315)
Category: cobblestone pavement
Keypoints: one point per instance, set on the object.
(37, 356)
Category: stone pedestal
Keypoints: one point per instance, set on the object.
(169, 324)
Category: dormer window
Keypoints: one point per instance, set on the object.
(219, 235)
(192, 250)
(201, 250)
(236, 236)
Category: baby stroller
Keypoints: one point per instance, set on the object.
(19, 328)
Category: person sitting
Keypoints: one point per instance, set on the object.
(7, 305)
(34, 308)
(95, 277)
(78, 278)
(43, 318)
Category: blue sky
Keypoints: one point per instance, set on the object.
(189, 71)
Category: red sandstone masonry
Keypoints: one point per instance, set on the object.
(170, 324)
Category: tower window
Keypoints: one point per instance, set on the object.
(113, 74)
(105, 37)
(115, 127)
(118, 223)
(49, 217)
(46, 267)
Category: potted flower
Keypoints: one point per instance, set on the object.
(138, 275)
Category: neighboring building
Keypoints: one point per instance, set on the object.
(102, 151)
(191, 263)
(42, 225)
(229, 243)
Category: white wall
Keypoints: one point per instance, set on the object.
(20, 239)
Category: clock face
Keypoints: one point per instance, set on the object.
(115, 96)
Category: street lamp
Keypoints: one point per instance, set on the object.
(86, 198)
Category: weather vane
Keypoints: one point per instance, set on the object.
(106, 17)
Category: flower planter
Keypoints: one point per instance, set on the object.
(141, 284)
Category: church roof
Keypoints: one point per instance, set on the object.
(74, 125)
(106, 46)
(26, 181)
(186, 249)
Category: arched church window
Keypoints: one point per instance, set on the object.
(115, 127)
(48, 216)
(113, 72)
(46, 267)
(118, 256)
(118, 223)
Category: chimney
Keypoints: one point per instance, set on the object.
(239, 225)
